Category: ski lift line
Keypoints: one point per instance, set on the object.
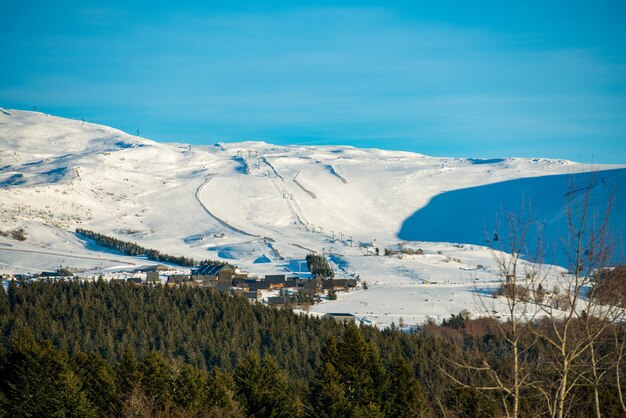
(287, 195)
(292, 204)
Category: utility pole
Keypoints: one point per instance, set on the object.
(333, 232)
(350, 239)
(341, 235)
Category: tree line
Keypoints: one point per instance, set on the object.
(133, 249)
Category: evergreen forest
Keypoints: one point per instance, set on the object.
(72, 348)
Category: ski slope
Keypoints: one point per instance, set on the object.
(258, 206)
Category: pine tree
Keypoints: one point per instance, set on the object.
(98, 382)
(127, 372)
(220, 394)
(403, 396)
(189, 389)
(328, 398)
(37, 381)
(353, 367)
(263, 388)
(156, 375)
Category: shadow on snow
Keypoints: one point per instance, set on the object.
(469, 216)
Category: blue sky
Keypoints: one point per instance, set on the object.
(475, 79)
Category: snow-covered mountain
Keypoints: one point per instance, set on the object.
(257, 205)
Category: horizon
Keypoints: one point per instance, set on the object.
(520, 80)
(329, 145)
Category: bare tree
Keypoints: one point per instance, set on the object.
(516, 277)
(574, 320)
(567, 326)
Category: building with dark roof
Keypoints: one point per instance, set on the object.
(339, 284)
(212, 269)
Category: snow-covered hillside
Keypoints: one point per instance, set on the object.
(254, 204)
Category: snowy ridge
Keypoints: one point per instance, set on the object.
(254, 204)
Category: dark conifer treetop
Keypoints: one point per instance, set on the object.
(318, 265)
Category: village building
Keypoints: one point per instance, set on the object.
(339, 284)
(178, 279)
(223, 287)
(219, 272)
(134, 280)
(153, 277)
(278, 301)
(253, 295)
(311, 287)
(275, 281)
(257, 285)
(59, 273)
(156, 268)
